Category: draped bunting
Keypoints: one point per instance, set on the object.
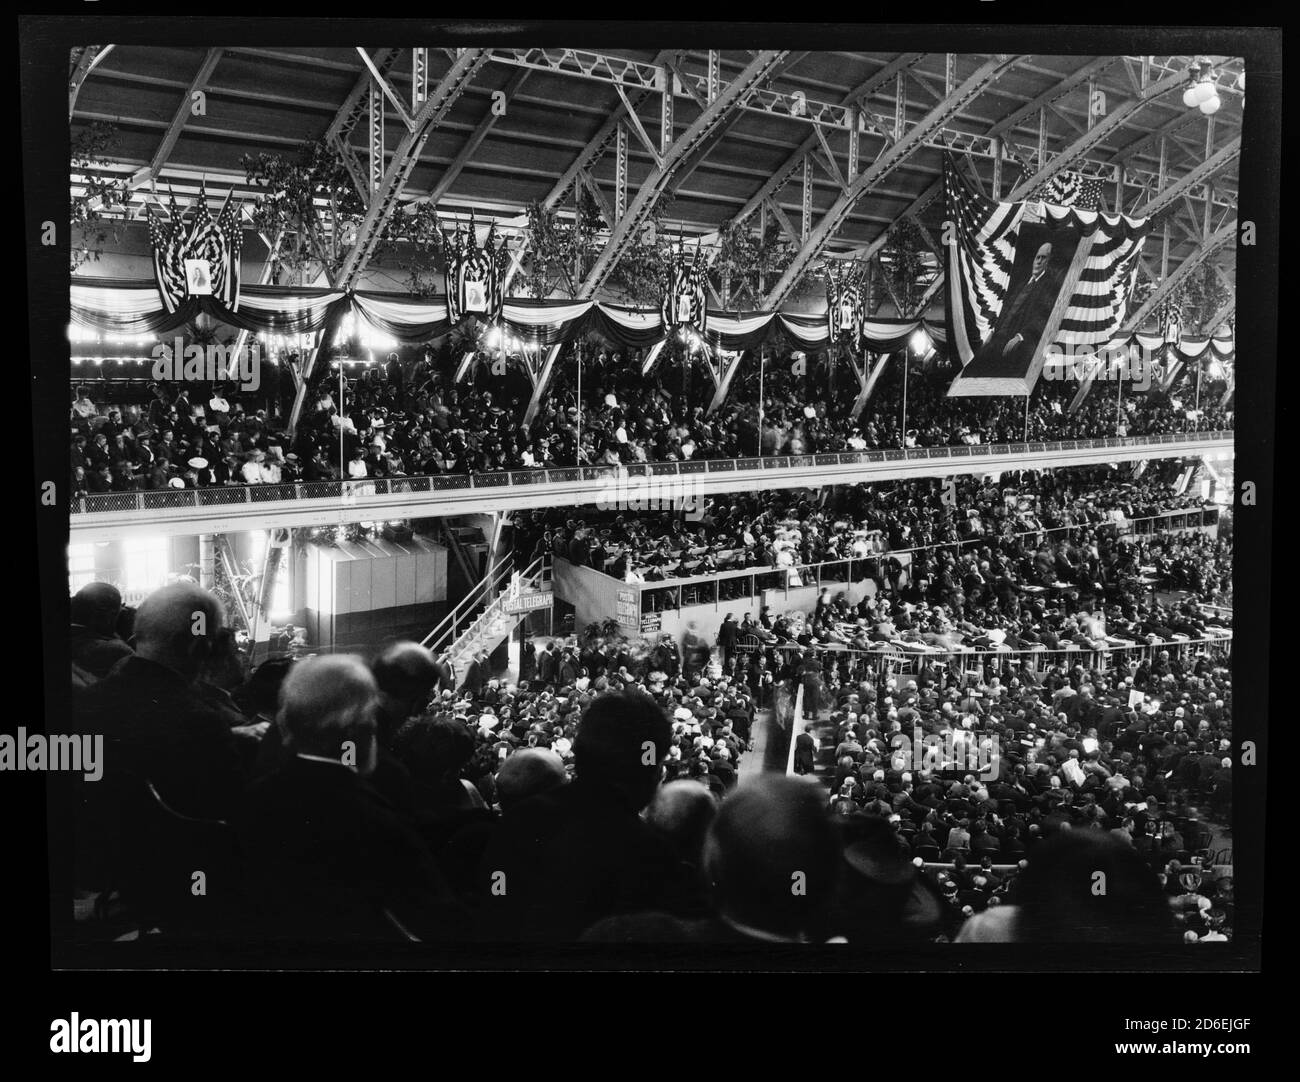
(134, 308)
(264, 309)
(632, 328)
(546, 323)
(408, 321)
(1171, 356)
(541, 327)
(1191, 346)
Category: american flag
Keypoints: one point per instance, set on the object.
(230, 254)
(980, 265)
(219, 242)
(683, 302)
(167, 244)
(1070, 190)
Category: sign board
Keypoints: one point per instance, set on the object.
(529, 602)
(627, 608)
(651, 622)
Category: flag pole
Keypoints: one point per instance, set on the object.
(906, 368)
(796, 726)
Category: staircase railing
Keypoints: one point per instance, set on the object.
(451, 625)
(491, 594)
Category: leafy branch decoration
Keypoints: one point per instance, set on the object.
(93, 226)
(749, 260)
(311, 203)
(902, 263)
(560, 252)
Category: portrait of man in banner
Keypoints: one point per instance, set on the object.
(475, 296)
(1042, 259)
(198, 277)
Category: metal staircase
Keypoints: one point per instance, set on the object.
(481, 620)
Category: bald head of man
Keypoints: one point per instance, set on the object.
(528, 773)
(406, 674)
(1042, 257)
(682, 811)
(405, 670)
(328, 709)
(177, 626)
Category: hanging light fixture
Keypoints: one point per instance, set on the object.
(1202, 92)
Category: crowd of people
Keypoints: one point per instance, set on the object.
(798, 528)
(593, 794)
(399, 420)
(978, 771)
(369, 800)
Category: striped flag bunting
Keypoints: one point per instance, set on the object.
(983, 255)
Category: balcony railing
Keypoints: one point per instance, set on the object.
(359, 491)
(889, 658)
(737, 583)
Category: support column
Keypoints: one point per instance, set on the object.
(207, 560)
(666, 113)
(277, 539)
(304, 377)
(723, 374)
(541, 379)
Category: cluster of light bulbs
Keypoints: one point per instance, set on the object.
(497, 340)
(1203, 92)
(370, 338)
(690, 338)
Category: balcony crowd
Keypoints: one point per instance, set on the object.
(400, 420)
